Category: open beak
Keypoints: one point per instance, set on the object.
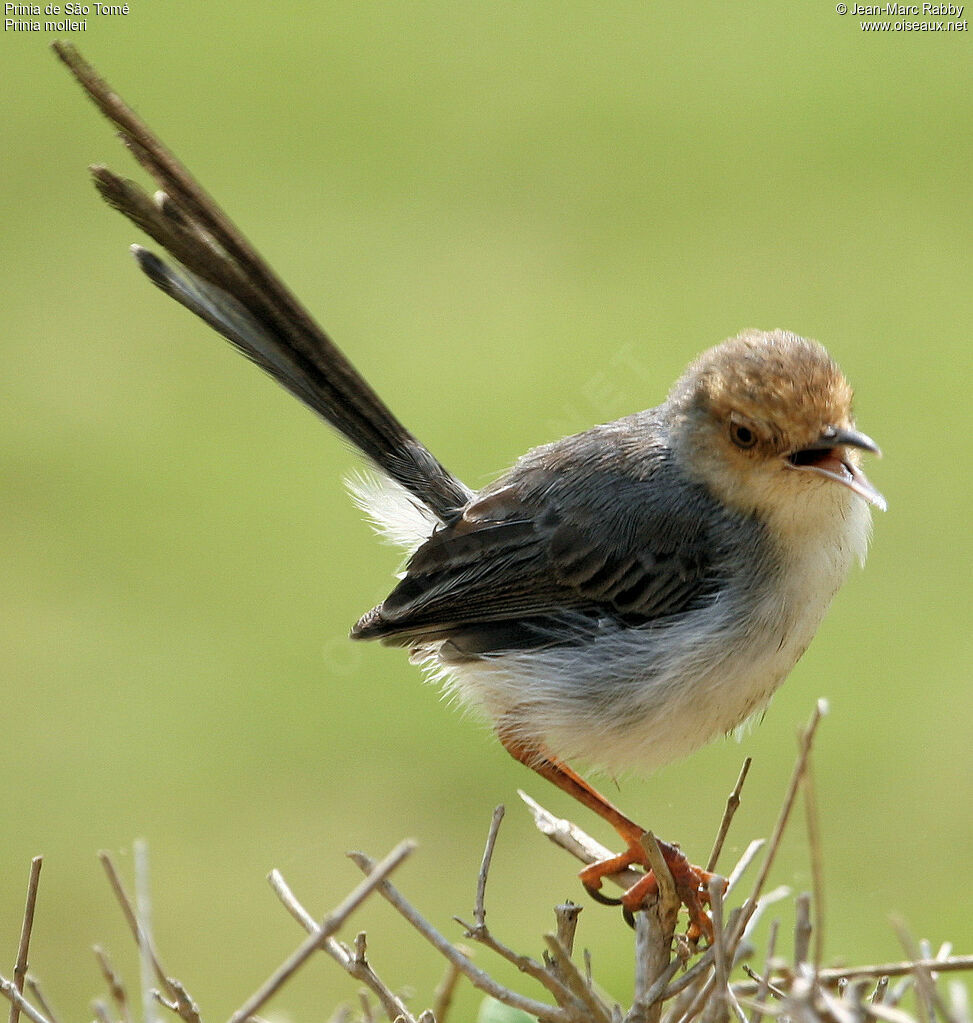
(826, 458)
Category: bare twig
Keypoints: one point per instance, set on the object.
(331, 923)
(764, 982)
(572, 839)
(655, 926)
(35, 989)
(802, 929)
(576, 982)
(476, 976)
(143, 911)
(732, 804)
(806, 742)
(479, 912)
(831, 975)
(20, 968)
(9, 991)
(181, 1003)
(721, 968)
(929, 998)
(100, 1009)
(394, 1007)
(287, 897)
(663, 876)
(115, 986)
(816, 855)
(566, 915)
(442, 997)
(142, 940)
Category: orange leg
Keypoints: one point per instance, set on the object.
(691, 882)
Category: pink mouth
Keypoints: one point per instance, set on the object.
(829, 464)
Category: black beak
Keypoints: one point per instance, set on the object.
(823, 458)
(832, 437)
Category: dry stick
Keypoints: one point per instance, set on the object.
(925, 985)
(324, 930)
(806, 742)
(576, 981)
(181, 1004)
(572, 839)
(566, 922)
(881, 987)
(831, 975)
(100, 1009)
(732, 805)
(35, 990)
(479, 931)
(764, 986)
(142, 939)
(548, 976)
(721, 968)
(813, 823)
(566, 914)
(656, 926)
(652, 960)
(802, 930)
(394, 1007)
(479, 912)
(442, 997)
(143, 910)
(9, 991)
(115, 986)
(476, 976)
(20, 969)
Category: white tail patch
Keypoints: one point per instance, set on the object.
(397, 516)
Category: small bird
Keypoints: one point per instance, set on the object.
(623, 595)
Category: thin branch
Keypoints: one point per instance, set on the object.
(479, 912)
(732, 805)
(100, 1009)
(9, 991)
(816, 855)
(566, 916)
(442, 997)
(35, 989)
(802, 929)
(394, 1007)
(575, 980)
(806, 742)
(115, 986)
(143, 911)
(764, 982)
(526, 964)
(476, 976)
(331, 923)
(181, 1003)
(20, 969)
(925, 985)
(142, 939)
(831, 975)
(721, 968)
(572, 839)
(663, 876)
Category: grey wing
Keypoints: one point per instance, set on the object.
(530, 565)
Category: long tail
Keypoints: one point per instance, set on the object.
(224, 281)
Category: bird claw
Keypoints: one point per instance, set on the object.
(691, 883)
(599, 896)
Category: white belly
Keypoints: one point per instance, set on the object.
(640, 698)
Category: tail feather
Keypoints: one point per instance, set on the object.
(226, 282)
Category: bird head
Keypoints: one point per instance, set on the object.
(765, 421)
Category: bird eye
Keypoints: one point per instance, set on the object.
(742, 435)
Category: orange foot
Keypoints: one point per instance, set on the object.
(692, 885)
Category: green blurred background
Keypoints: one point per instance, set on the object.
(518, 219)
